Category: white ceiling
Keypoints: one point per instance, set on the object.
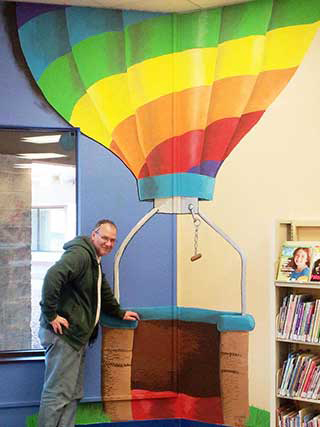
(147, 5)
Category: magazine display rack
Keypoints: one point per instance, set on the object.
(295, 340)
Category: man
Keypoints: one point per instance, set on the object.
(74, 291)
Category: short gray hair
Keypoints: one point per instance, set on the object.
(104, 221)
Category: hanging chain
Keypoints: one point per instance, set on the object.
(196, 223)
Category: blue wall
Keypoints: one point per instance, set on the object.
(106, 188)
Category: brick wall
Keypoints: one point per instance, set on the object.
(15, 255)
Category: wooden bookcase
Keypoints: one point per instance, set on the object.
(289, 230)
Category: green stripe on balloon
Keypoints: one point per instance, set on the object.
(171, 33)
(148, 39)
(294, 12)
(61, 85)
(199, 29)
(107, 61)
(243, 20)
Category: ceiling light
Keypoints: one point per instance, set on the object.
(37, 156)
(43, 139)
(23, 165)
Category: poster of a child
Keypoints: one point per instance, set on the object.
(295, 262)
(300, 263)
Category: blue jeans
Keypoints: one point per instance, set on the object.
(63, 382)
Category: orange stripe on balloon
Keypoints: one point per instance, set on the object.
(126, 139)
(116, 150)
(159, 120)
(173, 114)
(268, 86)
(164, 119)
(230, 97)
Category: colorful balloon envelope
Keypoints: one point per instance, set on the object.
(170, 94)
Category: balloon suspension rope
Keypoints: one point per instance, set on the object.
(233, 244)
(123, 246)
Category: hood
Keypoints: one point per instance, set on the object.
(84, 242)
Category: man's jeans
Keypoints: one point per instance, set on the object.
(63, 383)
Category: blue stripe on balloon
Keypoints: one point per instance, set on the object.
(225, 320)
(208, 167)
(179, 184)
(84, 22)
(131, 17)
(44, 39)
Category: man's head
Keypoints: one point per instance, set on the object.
(103, 236)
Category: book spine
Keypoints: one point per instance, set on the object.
(308, 380)
(302, 323)
(308, 320)
(299, 318)
(316, 324)
(313, 319)
(290, 316)
(303, 376)
(296, 316)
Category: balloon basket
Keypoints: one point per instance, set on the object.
(176, 362)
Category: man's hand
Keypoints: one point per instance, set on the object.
(131, 315)
(57, 324)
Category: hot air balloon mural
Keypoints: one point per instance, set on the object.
(171, 95)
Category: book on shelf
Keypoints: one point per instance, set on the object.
(295, 261)
(300, 376)
(313, 323)
(314, 382)
(309, 315)
(298, 318)
(292, 416)
(315, 264)
(314, 361)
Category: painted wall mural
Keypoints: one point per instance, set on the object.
(171, 95)
(178, 362)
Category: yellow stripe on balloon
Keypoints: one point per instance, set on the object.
(191, 68)
(194, 68)
(240, 57)
(112, 98)
(118, 97)
(86, 117)
(285, 47)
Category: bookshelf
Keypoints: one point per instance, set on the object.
(281, 347)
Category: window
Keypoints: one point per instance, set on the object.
(48, 228)
(37, 216)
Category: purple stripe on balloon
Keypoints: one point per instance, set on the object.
(209, 168)
(27, 11)
(195, 169)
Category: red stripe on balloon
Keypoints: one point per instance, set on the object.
(182, 153)
(177, 154)
(247, 121)
(223, 135)
(217, 138)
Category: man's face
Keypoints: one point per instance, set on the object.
(104, 239)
